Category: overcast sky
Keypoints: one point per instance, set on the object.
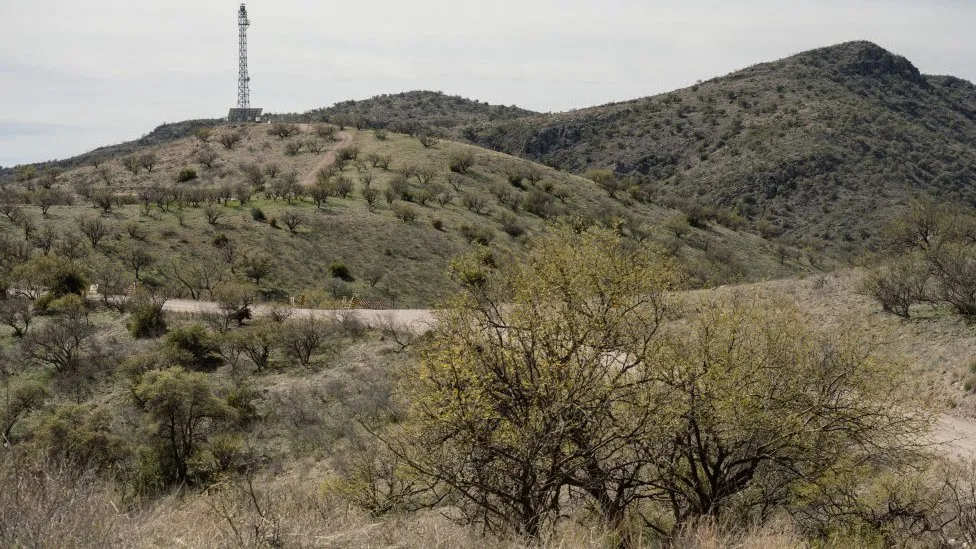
(81, 74)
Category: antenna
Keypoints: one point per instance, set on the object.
(243, 112)
(244, 81)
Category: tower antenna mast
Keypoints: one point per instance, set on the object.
(244, 81)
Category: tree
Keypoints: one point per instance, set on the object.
(282, 130)
(193, 347)
(258, 342)
(63, 341)
(94, 228)
(132, 163)
(203, 134)
(503, 393)
(45, 238)
(148, 161)
(230, 139)
(199, 273)
(137, 258)
(207, 157)
(17, 313)
(461, 160)
(235, 300)
(558, 383)
(293, 147)
(104, 199)
(320, 193)
(182, 406)
(954, 265)
(20, 396)
(899, 284)
(292, 219)
(109, 277)
(46, 198)
(605, 179)
(213, 212)
(303, 337)
(256, 266)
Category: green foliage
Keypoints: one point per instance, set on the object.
(183, 409)
(338, 269)
(80, 435)
(19, 396)
(186, 174)
(193, 347)
(147, 319)
(563, 381)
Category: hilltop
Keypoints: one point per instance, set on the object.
(823, 145)
(411, 112)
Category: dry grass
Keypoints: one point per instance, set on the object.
(52, 508)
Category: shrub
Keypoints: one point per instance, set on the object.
(186, 174)
(512, 225)
(898, 285)
(147, 320)
(193, 347)
(481, 235)
(380, 134)
(427, 140)
(404, 212)
(257, 214)
(461, 160)
(339, 270)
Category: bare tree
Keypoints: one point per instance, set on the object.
(94, 229)
(230, 139)
(207, 157)
(283, 130)
(292, 219)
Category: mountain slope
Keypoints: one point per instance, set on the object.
(233, 209)
(824, 144)
(413, 112)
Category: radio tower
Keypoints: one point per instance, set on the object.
(243, 82)
(243, 112)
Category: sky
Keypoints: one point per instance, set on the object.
(78, 75)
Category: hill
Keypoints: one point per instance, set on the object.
(204, 212)
(411, 112)
(823, 145)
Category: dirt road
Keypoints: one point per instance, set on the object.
(345, 138)
(413, 320)
(957, 436)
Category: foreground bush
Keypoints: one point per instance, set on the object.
(563, 384)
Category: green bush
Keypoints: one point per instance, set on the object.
(339, 270)
(193, 347)
(186, 174)
(147, 321)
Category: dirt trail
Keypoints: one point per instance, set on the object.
(413, 320)
(956, 436)
(345, 138)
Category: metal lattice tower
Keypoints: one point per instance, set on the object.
(244, 81)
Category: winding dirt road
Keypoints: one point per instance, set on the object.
(345, 138)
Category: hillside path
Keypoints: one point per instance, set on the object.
(345, 138)
(413, 320)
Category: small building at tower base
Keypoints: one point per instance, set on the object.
(244, 115)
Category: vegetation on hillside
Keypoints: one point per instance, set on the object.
(279, 206)
(821, 147)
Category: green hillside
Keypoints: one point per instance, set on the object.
(824, 145)
(234, 207)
